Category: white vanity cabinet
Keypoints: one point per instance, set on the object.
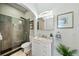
(41, 47)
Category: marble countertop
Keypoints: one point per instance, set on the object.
(42, 39)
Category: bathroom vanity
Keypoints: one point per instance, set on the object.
(42, 47)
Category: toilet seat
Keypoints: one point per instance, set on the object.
(25, 45)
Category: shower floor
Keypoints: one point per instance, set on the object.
(11, 52)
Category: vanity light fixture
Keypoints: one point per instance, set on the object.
(46, 14)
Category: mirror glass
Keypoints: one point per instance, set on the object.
(45, 23)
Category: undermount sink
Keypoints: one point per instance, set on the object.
(42, 39)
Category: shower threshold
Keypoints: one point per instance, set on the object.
(11, 52)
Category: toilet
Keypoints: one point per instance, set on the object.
(27, 46)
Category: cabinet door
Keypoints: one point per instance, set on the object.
(41, 48)
(36, 48)
(46, 48)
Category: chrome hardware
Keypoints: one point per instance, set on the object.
(58, 35)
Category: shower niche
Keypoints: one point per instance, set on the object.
(14, 32)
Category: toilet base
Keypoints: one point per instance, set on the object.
(29, 53)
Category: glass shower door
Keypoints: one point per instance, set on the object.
(17, 33)
(14, 32)
(5, 30)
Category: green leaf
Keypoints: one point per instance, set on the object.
(65, 51)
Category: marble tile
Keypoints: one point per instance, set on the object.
(19, 53)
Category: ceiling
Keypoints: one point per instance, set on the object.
(41, 7)
(21, 8)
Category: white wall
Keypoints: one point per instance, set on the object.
(29, 15)
(10, 11)
(33, 9)
(70, 37)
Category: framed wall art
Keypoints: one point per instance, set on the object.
(65, 20)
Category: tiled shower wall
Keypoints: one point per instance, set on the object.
(13, 31)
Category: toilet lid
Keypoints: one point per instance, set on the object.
(25, 44)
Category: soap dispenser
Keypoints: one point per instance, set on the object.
(51, 36)
(58, 36)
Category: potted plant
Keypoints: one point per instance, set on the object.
(65, 51)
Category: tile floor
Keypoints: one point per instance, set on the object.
(18, 53)
(21, 53)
